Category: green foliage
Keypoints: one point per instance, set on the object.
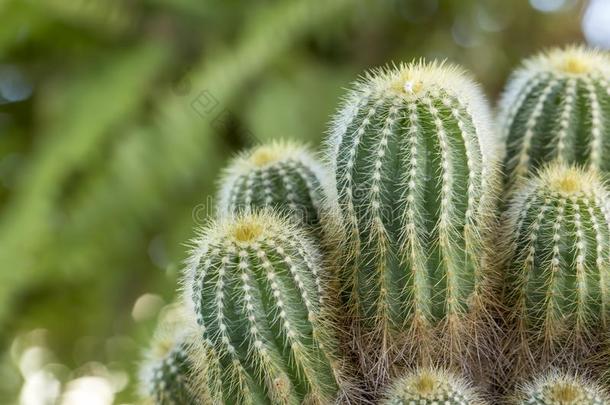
(556, 252)
(416, 167)
(431, 387)
(256, 287)
(557, 107)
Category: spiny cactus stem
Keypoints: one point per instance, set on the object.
(596, 122)
(514, 109)
(266, 187)
(238, 371)
(524, 157)
(603, 277)
(564, 120)
(277, 382)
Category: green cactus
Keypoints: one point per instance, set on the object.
(280, 175)
(257, 289)
(416, 171)
(431, 387)
(556, 254)
(557, 107)
(170, 374)
(560, 389)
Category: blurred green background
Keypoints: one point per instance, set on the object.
(116, 117)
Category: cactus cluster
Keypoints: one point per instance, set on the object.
(557, 107)
(431, 387)
(561, 389)
(397, 273)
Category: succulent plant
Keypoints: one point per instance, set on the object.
(280, 175)
(556, 106)
(170, 374)
(257, 289)
(431, 387)
(561, 389)
(416, 174)
(556, 254)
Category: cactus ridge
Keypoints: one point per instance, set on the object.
(431, 387)
(557, 107)
(279, 175)
(557, 258)
(255, 285)
(561, 389)
(416, 167)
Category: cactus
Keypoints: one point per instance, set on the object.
(556, 252)
(416, 175)
(257, 289)
(280, 175)
(431, 387)
(561, 389)
(557, 107)
(171, 375)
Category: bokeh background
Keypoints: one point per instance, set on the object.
(117, 115)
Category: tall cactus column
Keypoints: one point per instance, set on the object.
(557, 107)
(416, 167)
(557, 265)
(257, 290)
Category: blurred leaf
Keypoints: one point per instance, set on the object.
(93, 104)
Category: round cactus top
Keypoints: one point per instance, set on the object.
(270, 154)
(568, 181)
(562, 389)
(570, 61)
(418, 79)
(431, 386)
(247, 229)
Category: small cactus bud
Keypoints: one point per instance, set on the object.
(560, 389)
(256, 287)
(556, 106)
(556, 259)
(431, 387)
(170, 375)
(280, 175)
(416, 169)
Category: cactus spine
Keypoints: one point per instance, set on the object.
(257, 290)
(431, 387)
(416, 167)
(561, 389)
(557, 260)
(557, 107)
(280, 175)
